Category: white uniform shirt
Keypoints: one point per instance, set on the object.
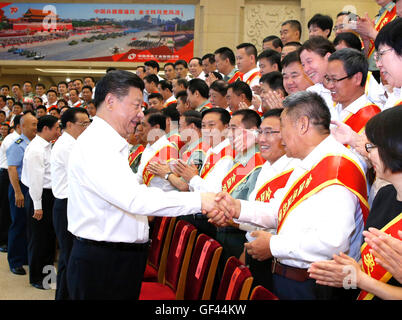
(394, 97)
(268, 172)
(105, 200)
(148, 153)
(4, 146)
(255, 81)
(59, 163)
(324, 224)
(36, 169)
(212, 182)
(326, 95)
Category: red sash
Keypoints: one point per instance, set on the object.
(175, 139)
(251, 78)
(331, 170)
(214, 158)
(358, 120)
(167, 153)
(386, 18)
(134, 155)
(170, 103)
(202, 146)
(207, 106)
(239, 173)
(237, 76)
(369, 265)
(267, 191)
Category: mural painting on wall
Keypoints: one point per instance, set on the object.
(96, 32)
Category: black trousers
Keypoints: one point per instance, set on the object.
(102, 273)
(261, 271)
(41, 237)
(5, 218)
(65, 240)
(17, 234)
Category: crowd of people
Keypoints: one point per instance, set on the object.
(291, 158)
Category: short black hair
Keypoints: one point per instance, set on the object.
(274, 57)
(210, 57)
(219, 86)
(324, 22)
(182, 82)
(150, 111)
(156, 95)
(350, 39)
(181, 62)
(51, 90)
(46, 121)
(168, 64)
(87, 87)
(157, 118)
(354, 61)
(192, 116)
(250, 49)
(318, 45)
(390, 35)
(295, 24)
(198, 59)
(290, 58)
(311, 105)
(182, 95)
(165, 84)
(200, 86)
(293, 44)
(17, 120)
(276, 41)
(385, 131)
(4, 98)
(273, 113)
(153, 64)
(240, 87)
(250, 118)
(224, 114)
(141, 67)
(117, 82)
(41, 107)
(274, 80)
(171, 112)
(227, 53)
(152, 78)
(109, 69)
(69, 115)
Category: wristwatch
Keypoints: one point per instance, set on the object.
(167, 175)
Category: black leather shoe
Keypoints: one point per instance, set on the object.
(3, 248)
(38, 285)
(18, 271)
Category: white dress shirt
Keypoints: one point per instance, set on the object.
(324, 224)
(394, 98)
(202, 76)
(105, 200)
(212, 182)
(4, 146)
(59, 163)
(268, 171)
(148, 153)
(326, 95)
(36, 169)
(255, 81)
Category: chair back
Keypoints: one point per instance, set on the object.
(236, 281)
(262, 293)
(202, 268)
(179, 254)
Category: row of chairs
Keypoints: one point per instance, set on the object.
(179, 270)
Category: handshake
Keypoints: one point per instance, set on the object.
(220, 208)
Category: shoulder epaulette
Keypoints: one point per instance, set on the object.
(18, 141)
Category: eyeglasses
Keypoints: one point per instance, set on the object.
(328, 80)
(378, 55)
(369, 147)
(267, 132)
(83, 124)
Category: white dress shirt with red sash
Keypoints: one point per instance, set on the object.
(327, 222)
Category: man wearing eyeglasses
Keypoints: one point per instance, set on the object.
(273, 176)
(73, 122)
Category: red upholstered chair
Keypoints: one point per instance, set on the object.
(202, 268)
(161, 236)
(236, 281)
(176, 266)
(261, 293)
